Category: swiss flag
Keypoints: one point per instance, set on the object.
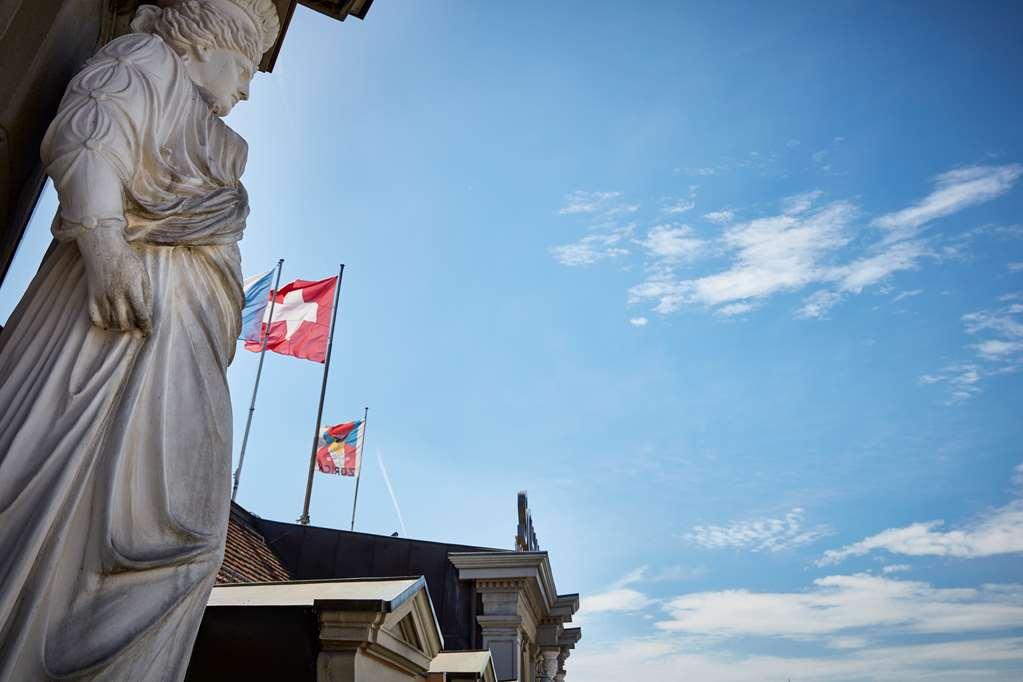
(301, 320)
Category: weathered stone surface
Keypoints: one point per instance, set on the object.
(115, 419)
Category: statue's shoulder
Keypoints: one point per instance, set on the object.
(137, 75)
(132, 84)
(144, 53)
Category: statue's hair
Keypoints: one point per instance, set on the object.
(198, 23)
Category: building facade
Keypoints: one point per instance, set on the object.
(496, 601)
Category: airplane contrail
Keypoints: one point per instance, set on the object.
(387, 480)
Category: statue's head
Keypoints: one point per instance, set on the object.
(220, 41)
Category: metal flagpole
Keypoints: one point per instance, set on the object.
(304, 519)
(259, 371)
(358, 465)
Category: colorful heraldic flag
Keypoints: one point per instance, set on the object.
(257, 300)
(340, 448)
(301, 320)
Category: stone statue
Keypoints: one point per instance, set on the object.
(115, 418)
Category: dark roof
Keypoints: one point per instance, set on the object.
(247, 558)
(314, 553)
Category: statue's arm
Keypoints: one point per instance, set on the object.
(90, 153)
(92, 214)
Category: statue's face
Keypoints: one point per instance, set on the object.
(222, 77)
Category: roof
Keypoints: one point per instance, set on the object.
(247, 558)
(383, 595)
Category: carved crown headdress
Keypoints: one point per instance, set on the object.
(209, 23)
(263, 15)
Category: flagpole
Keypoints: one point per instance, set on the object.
(304, 519)
(358, 465)
(259, 371)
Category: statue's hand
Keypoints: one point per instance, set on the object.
(120, 297)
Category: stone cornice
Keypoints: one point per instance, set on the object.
(570, 637)
(491, 568)
(565, 606)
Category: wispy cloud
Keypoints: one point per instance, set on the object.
(669, 658)
(672, 243)
(638, 321)
(846, 605)
(954, 190)
(583, 202)
(807, 242)
(998, 352)
(594, 248)
(620, 597)
(761, 534)
(817, 304)
(784, 252)
(735, 309)
(999, 531)
(679, 206)
(907, 294)
(615, 600)
(677, 573)
(719, 217)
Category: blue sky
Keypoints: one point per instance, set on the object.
(735, 291)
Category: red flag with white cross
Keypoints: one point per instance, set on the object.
(301, 320)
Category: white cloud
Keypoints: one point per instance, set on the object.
(756, 535)
(800, 203)
(1015, 266)
(719, 217)
(999, 532)
(672, 243)
(1004, 321)
(669, 293)
(616, 600)
(792, 144)
(817, 304)
(895, 568)
(638, 321)
(954, 190)
(1001, 352)
(907, 294)
(806, 244)
(963, 381)
(680, 206)
(997, 349)
(672, 659)
(885, 261)
(847, 605)
(593, 248)
(771, 255)
(676, 573)
(582, 201)
(735, 309)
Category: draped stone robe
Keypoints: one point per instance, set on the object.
(114, 448)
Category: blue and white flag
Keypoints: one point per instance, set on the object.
(257, 298)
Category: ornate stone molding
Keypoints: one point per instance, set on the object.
(523, 616)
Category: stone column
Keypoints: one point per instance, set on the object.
(502, 634)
